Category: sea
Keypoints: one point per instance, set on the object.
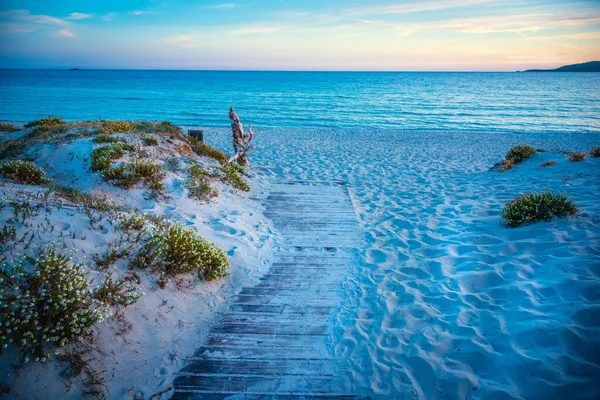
(465, 101)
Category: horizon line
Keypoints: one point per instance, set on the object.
(252, 70)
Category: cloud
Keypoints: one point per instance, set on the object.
(137, 12)
(77, 15)
(408, 8)
(66, 33)
(180, 38)
(15, 28)
(26, 16)
(523, 24)
(109, 17)
(223, 6)
(257, 29)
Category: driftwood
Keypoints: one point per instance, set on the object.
(241, 140)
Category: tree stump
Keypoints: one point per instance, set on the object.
(241, 140)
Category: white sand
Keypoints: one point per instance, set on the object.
(139, 357)
(444, 302)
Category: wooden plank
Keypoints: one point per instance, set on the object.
(282, 309)
(268, 341)
(272, 342)
(259, 384)
(191, 394)
(297, 329)
(260, 353)
(322, 367)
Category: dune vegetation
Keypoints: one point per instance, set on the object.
(540, 206)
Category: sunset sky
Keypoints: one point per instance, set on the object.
(447, 35)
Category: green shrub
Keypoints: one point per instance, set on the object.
(132, 222)
(231, 175)
(161, 128)
(49, 121)
(174, 250)
(116, 293)
(595, 152)
(7, 127)
(533, 207)
(53, 305)
(7, 233)
(516, 155)
(24, 172)
(102, 157)
(134, 171)
(205, 150)
(12, 148)
(109, 127)
(150, 141)
(50, 125)
(87, 200)
(199, 184)
(576, 156)
(107, 139)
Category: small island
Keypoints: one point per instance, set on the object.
(591, 66)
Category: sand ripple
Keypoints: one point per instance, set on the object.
(443, 302)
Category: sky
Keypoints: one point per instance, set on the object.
(445, 35)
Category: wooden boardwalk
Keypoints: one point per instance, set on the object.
(272, 342)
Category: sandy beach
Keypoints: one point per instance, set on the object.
(440, 300)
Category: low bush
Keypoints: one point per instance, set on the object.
(87, 200)
(7, 127)
(595, 152)
(12, 148)
(116, 292)
(174, 250)
(107, 139)
(199, 184)
(150, 141)
(134, 171)
(24, 172)
(540, 206)
(548, 163)
(49, 121)
(516, 155)
(50, 125)
(53, 305)
(204, 150)
(102, 157)
(576, 156)
(108, 127)
(231, 175)
(132, 222)
(7, 233)
(161, 128)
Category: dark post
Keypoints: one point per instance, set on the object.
(196, 133)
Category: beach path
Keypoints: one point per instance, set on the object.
(274, 339)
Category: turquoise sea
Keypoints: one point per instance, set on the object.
(391, 100)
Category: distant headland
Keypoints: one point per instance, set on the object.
(591, 66)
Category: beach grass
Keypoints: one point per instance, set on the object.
(25, 172)
(576, 156)
(540, 206)
(134, 171)
(7, 127)
(175, 250)
(516, 155)
(204, 150)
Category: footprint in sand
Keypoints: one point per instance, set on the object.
(62, 226)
